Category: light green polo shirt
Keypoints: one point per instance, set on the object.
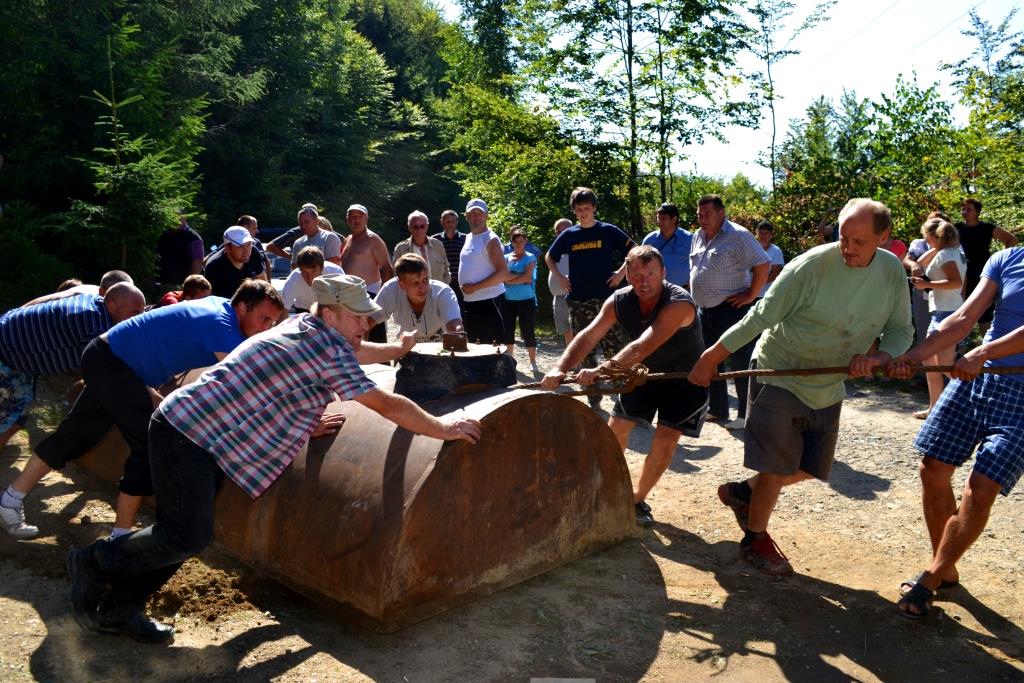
(820, 312)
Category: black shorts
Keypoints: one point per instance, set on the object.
(483, 320)
(678, 404)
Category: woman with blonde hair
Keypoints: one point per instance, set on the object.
(944, 269)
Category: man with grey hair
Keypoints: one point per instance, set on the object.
(302, 365)
(428, 248)
(793, 422)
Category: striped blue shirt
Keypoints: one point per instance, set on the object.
(50, 337)
(256, 409)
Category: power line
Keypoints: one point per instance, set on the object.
(911, 50)
(865, 26)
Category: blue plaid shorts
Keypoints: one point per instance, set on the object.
(987, 413)
(17, 389)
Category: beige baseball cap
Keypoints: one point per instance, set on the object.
(347, 291)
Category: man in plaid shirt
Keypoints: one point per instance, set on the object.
(246, 417)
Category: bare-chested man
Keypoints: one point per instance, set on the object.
(365, 255)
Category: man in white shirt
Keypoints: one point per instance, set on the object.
(298, 291)
(417, 303)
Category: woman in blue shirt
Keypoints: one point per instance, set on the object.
(521, 296)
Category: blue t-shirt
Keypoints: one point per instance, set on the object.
(166, 341)
(525, 290)
(676, 252)
(591, 251)
(1006, 269)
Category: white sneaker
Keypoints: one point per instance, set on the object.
(13, 520)
(738, 423)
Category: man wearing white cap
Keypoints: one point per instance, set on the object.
(482, 275)
(232, 264)
(195, 438)
(365, 255)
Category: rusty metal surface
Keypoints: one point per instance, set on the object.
(391, 528)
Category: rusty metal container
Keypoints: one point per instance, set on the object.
(391, 528)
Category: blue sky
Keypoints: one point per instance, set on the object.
(864, 46)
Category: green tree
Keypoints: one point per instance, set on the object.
(640, 73)
(989, 150)
(766, 42)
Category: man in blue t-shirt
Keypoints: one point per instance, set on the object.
(122, 370)
(986, 412)
(673, 243)
(594, 248)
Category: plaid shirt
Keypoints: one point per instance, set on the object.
(721, 267)
(257, 408)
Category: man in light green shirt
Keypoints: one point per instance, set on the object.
(827, 308)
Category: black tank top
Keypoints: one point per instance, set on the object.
(976, 242)
(682, 349)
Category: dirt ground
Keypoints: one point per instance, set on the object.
(673, 603)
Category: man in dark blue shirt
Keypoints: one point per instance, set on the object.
(594, 247)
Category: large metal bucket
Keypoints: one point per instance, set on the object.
(391, 528)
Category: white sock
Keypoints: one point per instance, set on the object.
(118, 532)
(12, 498)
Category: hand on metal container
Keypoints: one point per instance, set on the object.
(329, 424)
(462, 428)
(406, 341)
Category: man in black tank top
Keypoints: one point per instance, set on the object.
(976, 241)
(660, 322)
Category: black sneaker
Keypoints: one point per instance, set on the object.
(644, 517)
(137, 626)
(86, 588)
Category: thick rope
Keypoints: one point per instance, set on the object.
(615, 378)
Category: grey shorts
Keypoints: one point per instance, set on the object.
(784, 435)
(561, 311)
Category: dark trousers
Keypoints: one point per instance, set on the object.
(581, 314)
(113, 394)
(186, 479)
(526, 311)
(483, 321)
(713, 324)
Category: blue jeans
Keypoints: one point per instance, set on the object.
(186, 479)
(713, 324)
